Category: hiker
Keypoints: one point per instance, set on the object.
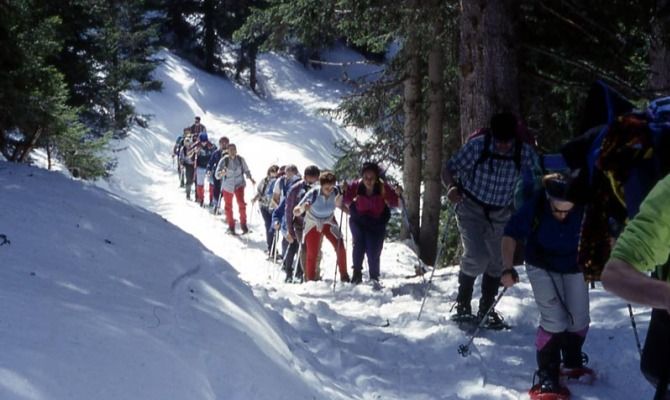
(232, 170)
(294, 224)
(211, 169)
(480, 180)
(197, 128)
(369, 201)
(176, 150)
(202, 150)
(188, 165)
(318, 206)
(549, 223)
(643, 247)
(280, 188)
(264, 196)
(291, 175)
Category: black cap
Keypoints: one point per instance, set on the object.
(372, 167)
(558, 187)
(503, 126)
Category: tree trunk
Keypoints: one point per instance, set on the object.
(253, 55)
(412, 130)
(210, 34)
(430, 215)
(488, 62)
(659, 51)
(30, 145)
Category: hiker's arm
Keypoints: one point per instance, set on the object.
(622, 279)
(508, 247)
(220, 169)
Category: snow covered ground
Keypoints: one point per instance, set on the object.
(124, 290)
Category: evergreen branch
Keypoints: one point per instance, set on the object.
(552, 79)
(343, 64)
(569, 21)
(610, 34)
(585, 66)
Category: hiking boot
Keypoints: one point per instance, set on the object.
(357, 277)
(493, 320)
(188, 196)
(376, 285)
(345, 278)
(289, 276)
(547, 385)
(463, 313)
(244, 228)
(230, 231)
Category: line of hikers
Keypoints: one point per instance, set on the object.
(298, 211)
(222, 169)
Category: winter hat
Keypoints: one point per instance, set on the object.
(503, 126)
(557, 187)
(202, 137)
(372, 167)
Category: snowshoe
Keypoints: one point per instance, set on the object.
(547, 388)
(583, 375)
(493, 321)
(536, 393)
(463, 314)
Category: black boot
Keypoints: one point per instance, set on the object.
(357, 276)
(548, 363)
(571, 349)
(289, 275)
(490, 287)
(463, 309)
(574, 359)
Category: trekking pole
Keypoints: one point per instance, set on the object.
(632, 322)
(405, 217)
(440, 250)
(464, 349)
(251, 214)
(273, 251)
(339, 243)
(297, 259)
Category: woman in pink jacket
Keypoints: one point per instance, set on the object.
(368, 200)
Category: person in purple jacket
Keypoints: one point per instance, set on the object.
(294, 224)
(368, 201)
(550, 223)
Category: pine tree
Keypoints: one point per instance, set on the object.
(109, 49)
(33, 95)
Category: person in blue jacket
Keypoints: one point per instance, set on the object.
(549, 223)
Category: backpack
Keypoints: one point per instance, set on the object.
(619, 163)
(314, 194)
(522, 135)
(204, 154)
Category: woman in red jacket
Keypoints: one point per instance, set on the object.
(368, 200)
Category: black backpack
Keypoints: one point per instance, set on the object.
(486, 153)
(204, 154)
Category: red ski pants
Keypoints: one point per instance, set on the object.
(228, 206)
(312, 244)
